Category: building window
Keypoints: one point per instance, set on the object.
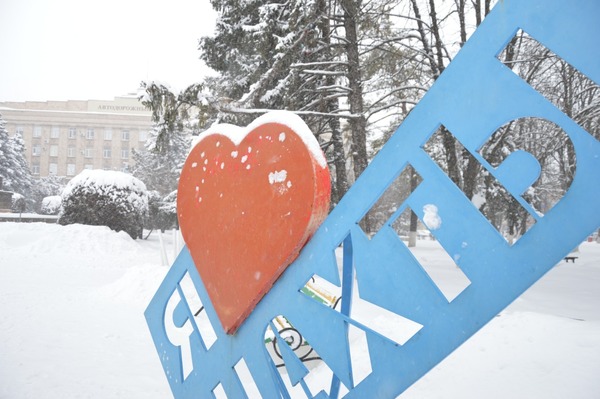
(107, 153)
(36, 150)
(125, 167)
(19, 130)
(35, 169)
(55, 132)
(71, 152)
(90, 134)
(52, 169)
(89, 166)
(70, 169)
(107, 134)
(125, 135)
(53, 150)
(143, 136)
(88, 152)
(37, 131)
(124, 153)
(72, 133)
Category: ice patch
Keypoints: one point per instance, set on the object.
(234, 154)
(244, 158)
(194, 164)
(282, 137)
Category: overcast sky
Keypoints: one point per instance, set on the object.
(81, 49)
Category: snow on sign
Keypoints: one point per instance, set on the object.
(301, 317)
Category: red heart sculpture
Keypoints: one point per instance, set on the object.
(248, 201)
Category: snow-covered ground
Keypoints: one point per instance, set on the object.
(72, 325)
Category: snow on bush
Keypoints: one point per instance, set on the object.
(170, 206)
(162, 213)
(105, 198)
(18, 203)
(50, 205)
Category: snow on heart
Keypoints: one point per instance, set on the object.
(277, 176)
(236, 134)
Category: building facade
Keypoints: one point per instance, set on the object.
(64, 137)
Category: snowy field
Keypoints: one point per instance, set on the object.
(72, 300)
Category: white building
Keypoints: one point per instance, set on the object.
(64, 137)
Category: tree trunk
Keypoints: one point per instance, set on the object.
(451, 157)
(339, 161)
(358, 123)
(470, 175)
(477, 8)
(460, 5)
(412, 233)
(339, 155)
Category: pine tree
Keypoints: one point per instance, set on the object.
(274, 55)
(173, 112)
(160, 169)
(14, 170)
(255, 45)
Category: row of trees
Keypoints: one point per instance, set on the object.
(16, 176)
(158, 169)
(353, 69)
(99, 204)
(159, 166)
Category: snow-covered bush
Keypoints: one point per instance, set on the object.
(18, 203)
(50, 205)
(161, 215)
(47, 186)
(169, 207)
(106, 198)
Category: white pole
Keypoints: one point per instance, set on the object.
(163, 251)
(175, 244)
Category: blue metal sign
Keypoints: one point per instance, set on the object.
(474, 97)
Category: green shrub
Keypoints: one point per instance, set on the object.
(105, 198)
